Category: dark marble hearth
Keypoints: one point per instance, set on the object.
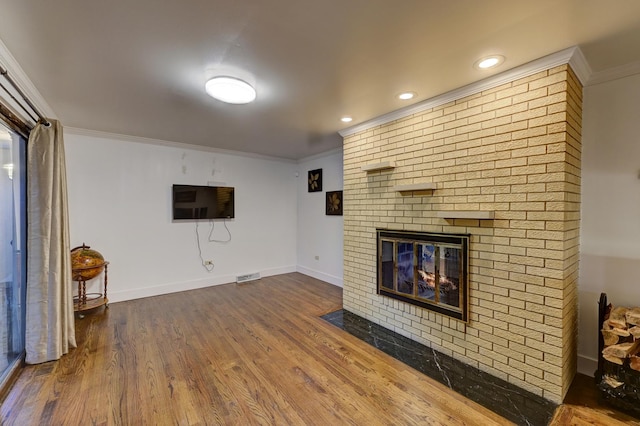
(503, 398)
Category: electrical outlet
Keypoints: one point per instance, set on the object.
(208, 263)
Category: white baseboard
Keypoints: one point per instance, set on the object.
(278, 271)
(331, 279)
(587, 365)
(167, 288)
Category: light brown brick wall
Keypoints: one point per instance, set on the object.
(515, 150)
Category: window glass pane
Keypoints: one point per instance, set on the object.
(12, 247)
(405, 267)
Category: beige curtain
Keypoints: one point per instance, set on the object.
(50, 328)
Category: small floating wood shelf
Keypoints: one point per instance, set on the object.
(466, 214)
(424, 186)
(378, 166)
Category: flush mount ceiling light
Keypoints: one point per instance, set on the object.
(346, 119)
(489, 62)
(405, 96)
(230, 90)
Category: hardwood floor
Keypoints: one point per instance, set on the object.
(581, 407)
(256, 353)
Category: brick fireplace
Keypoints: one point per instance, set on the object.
(502, 166)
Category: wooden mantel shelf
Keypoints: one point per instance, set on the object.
(466, 214)
(424, 186)
(378, 166)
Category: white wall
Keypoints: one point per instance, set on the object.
(120, 204)
(318, 234)
(610, 227)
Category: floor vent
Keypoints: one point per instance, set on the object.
(247, 277)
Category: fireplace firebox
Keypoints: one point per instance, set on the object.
(425, 269)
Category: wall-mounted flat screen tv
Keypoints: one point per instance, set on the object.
(203, 202)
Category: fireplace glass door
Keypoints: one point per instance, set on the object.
(427, 270)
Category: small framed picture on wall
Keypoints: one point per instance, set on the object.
(334, 203)
(314, 180)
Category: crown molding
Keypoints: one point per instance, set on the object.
(320, 155)
(76, 131)
(550, 61)
(24, 82)
(580, 66)
(614, 73)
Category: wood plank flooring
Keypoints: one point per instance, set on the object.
(256, 353)
(582, 407)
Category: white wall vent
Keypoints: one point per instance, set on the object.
(247, 277)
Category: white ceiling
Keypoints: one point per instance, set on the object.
(138, 67)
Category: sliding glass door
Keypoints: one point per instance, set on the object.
(12, 249)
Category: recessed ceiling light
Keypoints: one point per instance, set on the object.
(230, 90)
(405, 96)
(489, 62)
(346, 119)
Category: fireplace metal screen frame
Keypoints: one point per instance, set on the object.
(461, 241)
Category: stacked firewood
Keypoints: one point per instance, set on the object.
(621, 333)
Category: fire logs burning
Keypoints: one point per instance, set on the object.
(428, 279)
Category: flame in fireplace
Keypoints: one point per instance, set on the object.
(429, 280)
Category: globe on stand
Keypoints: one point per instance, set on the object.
(87, 264)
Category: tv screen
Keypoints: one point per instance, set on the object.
(203, 202)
